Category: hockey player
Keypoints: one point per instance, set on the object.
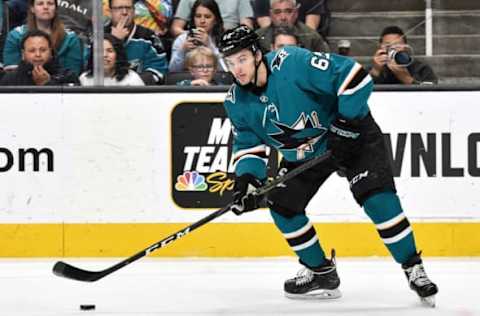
(303, 103)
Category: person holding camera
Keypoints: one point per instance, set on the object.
(205, 29)
(393, 62)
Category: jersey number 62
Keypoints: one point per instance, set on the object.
(320, 61)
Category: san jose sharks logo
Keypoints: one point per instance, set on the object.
(279, 59)
(300, 136)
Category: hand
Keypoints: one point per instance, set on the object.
(120, 30)
(243, 198)
(201, 36)
(380, 59)
(200, 82)
(344, 140)
(40, 76)
(189, 44)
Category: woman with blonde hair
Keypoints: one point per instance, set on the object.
(43, 15)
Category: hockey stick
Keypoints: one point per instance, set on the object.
(68, 271)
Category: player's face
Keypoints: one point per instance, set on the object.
(122, 10)
(283, 13)
(284, 40)
(44, 10)
(36, 51)
(204, 18)
(203, 68)
(242, 66)
(109, 58)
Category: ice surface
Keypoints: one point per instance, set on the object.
(187, 286)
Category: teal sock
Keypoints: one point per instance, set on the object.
(302, 238)
(385, 211)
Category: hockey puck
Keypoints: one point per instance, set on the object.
(87, 307)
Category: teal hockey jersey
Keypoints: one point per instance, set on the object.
(305, 92)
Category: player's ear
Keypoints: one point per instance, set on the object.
(258, 55)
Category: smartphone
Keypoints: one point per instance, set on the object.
(191, 33)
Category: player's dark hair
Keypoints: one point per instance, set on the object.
(284, 30)
(213, 7)
(393, 29)
(36, 33)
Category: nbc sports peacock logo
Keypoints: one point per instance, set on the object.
(191, 181)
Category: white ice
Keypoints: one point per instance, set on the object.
(186, 286)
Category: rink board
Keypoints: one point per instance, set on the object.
(107, 178)
(222, 240)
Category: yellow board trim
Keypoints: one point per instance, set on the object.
(222, 240)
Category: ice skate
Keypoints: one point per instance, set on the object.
(419, 281)
(315, 283)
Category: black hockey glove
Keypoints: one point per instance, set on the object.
(243, 198)
(344, 140)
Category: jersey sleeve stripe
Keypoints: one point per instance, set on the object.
(351, 75)
(260, 151)
(366, 80)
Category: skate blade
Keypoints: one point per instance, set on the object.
(428, 301)
(316, 295)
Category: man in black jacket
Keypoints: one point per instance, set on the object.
(392, 63)
(38, 66)
(145, 51)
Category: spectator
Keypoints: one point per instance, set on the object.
(1, 17)
(144, 49)
(152, 14)
(233, 12)
(310, 12)
(116, 68)
(343, 47)
(283, 36)
(202, 64)
(285, 13)
(393, 64)
(43, 15)
(2, 35)
(38, 66)
(207, 27)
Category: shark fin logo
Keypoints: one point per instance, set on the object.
(231, 94)
(191, 181)
(300, 136)
(279, 59)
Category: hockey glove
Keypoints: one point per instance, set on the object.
(344, 140)
(243, 198)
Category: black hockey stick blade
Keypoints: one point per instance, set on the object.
(68, 271)
(64, 269)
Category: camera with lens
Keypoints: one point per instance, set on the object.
(401, 57)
